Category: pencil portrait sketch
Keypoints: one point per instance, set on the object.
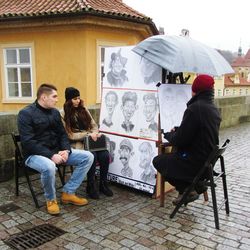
(111, 101)
(111, 148)
(172, 100)
(126, 152)
(149, 120)
(150, 110)
(117, 76)
(148, 174)
(128, 108)
(151, 72)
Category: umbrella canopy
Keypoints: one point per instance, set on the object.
(183, 54)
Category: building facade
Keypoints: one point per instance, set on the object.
(61, 42)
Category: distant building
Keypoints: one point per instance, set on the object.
(238, 83)
(241, 65)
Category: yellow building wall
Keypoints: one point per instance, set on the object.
(219, 86)
(237, 91)
(67, 58)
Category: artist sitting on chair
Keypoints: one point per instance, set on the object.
(194, 139)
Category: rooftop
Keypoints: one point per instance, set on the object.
(31, 8)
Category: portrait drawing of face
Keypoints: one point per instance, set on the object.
(129, 106)
(150, 107)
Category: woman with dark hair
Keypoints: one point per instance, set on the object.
(78, 124)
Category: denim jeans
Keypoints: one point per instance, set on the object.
(80, 159)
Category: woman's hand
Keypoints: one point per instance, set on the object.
(94, 136)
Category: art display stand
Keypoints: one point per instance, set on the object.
(130, 108)
(163, 187)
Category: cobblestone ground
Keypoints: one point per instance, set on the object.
(133, 220)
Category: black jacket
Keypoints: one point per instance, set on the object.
(41, 131)
(197, 134)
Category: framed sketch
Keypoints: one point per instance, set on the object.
(172, 101)
(131, 162)
(130, 112)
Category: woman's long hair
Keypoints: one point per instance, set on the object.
(76, 118)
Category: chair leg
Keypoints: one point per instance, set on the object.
(61, 175)
(182, 201)
(31, 187)
(162, 191)
(205, 196)
(16, 176)
(224, 183)
(213, 194)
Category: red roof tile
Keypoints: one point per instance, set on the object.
(242, 61)
(229, 81)
(247, 56)
(21, 8)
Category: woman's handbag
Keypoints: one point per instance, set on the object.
(98, 145)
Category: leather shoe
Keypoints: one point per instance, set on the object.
(192, 196)
(200, 187)
(52, 207)
(91, 191)
(73, 199)
(105, 189)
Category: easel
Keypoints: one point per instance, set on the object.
(161, 187)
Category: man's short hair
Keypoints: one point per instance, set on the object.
(45, 88)
(129, 96)
(150, 96)
(146, 145)
(126, 143)
(111, 93)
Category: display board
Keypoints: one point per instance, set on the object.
(129, 116)
(130, 108)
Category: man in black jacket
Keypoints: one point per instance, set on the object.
(194, 139)
(45, 144)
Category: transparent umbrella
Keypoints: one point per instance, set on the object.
(183, 54)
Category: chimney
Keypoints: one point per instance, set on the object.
(161, 31)
(184, 32)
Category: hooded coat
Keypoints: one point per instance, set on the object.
(194, 139)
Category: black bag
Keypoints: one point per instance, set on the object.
(98, 145)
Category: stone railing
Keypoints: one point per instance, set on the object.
(234, 110)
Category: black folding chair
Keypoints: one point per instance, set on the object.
(21, 168)
(208, 177)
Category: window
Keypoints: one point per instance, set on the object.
(18, 82)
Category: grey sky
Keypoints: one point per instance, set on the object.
(219, 24)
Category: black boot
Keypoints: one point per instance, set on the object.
(200, 187)
(192, 196)
(91, 191)
(105, 189)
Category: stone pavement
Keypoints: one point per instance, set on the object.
(133, 220)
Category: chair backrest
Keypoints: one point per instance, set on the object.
(216, 154)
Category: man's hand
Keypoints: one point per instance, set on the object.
(173, 129)
(57, 159)
(64, 154)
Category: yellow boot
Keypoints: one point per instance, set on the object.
(73, 199)
(52, 207)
